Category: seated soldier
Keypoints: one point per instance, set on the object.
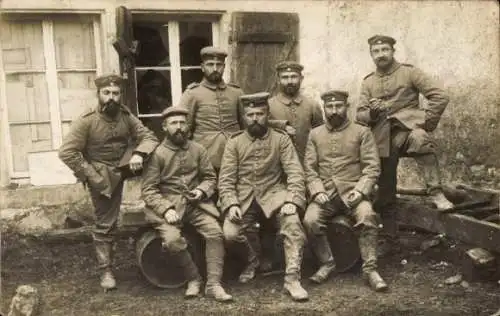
(251, 182)
(177, 185)
(342, 166)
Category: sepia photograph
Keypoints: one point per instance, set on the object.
(250, 157)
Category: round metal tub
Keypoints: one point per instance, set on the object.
(155, 263)
(344, 243)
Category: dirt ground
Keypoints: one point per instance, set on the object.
(65, 276)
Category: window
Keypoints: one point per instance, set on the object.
(168, 59)
(49, 80)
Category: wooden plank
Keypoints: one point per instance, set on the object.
(76, 93)
(6, 168)
(175, 61)
(74, 44)
(98, 47)
(464, 228)
(22, 41)
(52, 82)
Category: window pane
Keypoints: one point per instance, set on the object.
(26, 138)
(77, 93)
(153, 45)
(27, 98)
(22, 45)
(153, 91)
(74, 44)
(189, 76)
(193, 37)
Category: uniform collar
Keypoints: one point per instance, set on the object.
(287, 100)
(395, 65)
(222, 85)
(168, 143)
(337, 129)
(252, 139)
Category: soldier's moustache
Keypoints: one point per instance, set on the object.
(290, 89)
(179, 137)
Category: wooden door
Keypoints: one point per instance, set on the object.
(259, 40)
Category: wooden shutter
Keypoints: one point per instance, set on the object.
(126, 47)
(259, 40)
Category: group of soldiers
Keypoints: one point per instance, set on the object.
(230, 161)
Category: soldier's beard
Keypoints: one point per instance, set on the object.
(215, 77)
(336, 120)
(290, 89)
(257, 130)
(111, 108)
(178, 138)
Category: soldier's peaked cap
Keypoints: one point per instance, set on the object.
(108, 80)
(255, 100)
(211, 52)
(288, 65)
(334, 95)
(174, 110)
(381, 39)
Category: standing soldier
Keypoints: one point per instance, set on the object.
(212, 105)
(177, 185)
(251, 181)
(389, 104)
(93, 149)
(301, 112)
(342, 166)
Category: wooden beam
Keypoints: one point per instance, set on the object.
(464, 228)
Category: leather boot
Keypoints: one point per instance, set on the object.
(293, 260)
(104, 261)
(186, 263)
(368, 250)
(214, 254)
(248, 273)
(321, 249)
(293, 287)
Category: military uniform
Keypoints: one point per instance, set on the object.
(172, 172)
(251, 177)
(93, 149)
(214, 115)
(339, 160)
(401, 127)
(300, 112)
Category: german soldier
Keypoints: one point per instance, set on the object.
(251, 182)
(177, 185)
(389, 104)
(93, 149)
(342, 166)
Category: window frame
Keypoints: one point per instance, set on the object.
(50, 73)
(172, 19)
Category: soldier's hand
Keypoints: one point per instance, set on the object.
(195, 195)
(321, 198)
(288, 209)
(354, 198)
(171, 216)
(135, 162)
(234, 214)
(290, 130)
(376, 104)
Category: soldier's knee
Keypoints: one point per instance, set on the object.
(365, 215)
(292, 227)
(312, 223)
(176, 244)
(232, 234)
(214, 233)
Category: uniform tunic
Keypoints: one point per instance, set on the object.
(301, 112)
(340, 160)
(399, 88)
(173, 171)
(256, 168)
